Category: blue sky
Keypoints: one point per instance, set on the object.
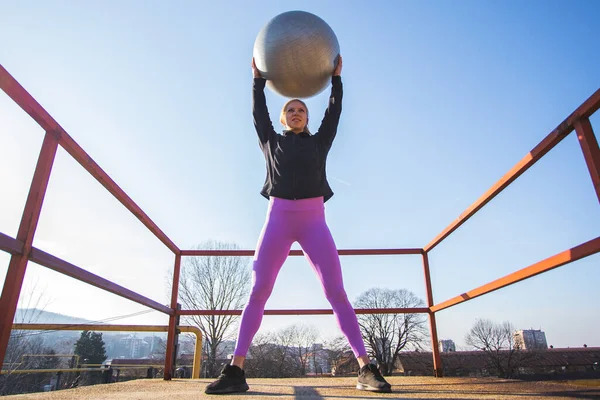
(440, 100)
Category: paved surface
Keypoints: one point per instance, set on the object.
(327, 388)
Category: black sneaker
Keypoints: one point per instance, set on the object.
(231, 380)
(369, 378)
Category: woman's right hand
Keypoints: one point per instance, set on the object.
(338, 68)
(255, 71)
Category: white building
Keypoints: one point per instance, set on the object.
(530, 339)
(133, 347)
(447, 345)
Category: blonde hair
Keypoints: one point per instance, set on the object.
(284, 110)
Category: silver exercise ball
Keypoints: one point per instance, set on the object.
(296, 52)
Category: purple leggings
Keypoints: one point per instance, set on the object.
(301, 221)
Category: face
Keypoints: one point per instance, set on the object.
(296, 116)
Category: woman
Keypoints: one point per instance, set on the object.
(297, 187)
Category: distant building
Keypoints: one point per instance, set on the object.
(134, 346)
(317, 360)
(447, 345)
(156, 346)
(187, 344)
(530, 339)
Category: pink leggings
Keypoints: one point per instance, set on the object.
(301, 221)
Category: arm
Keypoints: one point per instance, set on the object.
(262, 121)
(329, 124)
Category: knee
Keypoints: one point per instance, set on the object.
(261, 291)
(336, 295)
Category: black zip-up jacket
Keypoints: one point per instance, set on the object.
(296, 162)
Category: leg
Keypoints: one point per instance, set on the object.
(363, 360)
(321, 252)
(272, 250)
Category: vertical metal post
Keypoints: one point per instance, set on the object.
(57, 383)
(197, 356)
(437, 361)
(173, 322)
(31, 214)
(591, 152)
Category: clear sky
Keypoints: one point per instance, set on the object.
(440, 100)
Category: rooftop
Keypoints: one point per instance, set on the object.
(328, 388)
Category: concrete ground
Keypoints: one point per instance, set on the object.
(328, 388)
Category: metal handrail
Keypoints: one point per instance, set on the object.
(22, 251)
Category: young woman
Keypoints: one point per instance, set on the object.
(297, 188)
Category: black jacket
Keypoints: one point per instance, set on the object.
(296, 162)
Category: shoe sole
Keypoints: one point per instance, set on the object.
(231, 389)
(364, 386)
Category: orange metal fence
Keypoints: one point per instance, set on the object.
(21, 249)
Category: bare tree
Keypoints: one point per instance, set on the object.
(271, 356)
(283, 351)
(387, 334)
(337, 352)
(261, 357)
(498, 343)
(214, 283)
(281, 354)
(302, 339)
(26, 350)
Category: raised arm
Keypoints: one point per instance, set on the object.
(262, 120)
(329, 124)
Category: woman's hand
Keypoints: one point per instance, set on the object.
(338, 68)
(255, 71)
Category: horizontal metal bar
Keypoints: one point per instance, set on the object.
(421, 310)
(58, 265)
(20, 96)
(83, 369)
(102, 177)
(15, 91)
(343, 252)
(590, 106)
(103, 328)
(39, 371)
(114, 365)
(10, 245)
(565, 257)
(124, 328)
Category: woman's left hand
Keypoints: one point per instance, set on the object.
(338, 68)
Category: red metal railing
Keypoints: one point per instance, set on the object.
(21, 249)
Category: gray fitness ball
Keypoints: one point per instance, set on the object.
(296, 52)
